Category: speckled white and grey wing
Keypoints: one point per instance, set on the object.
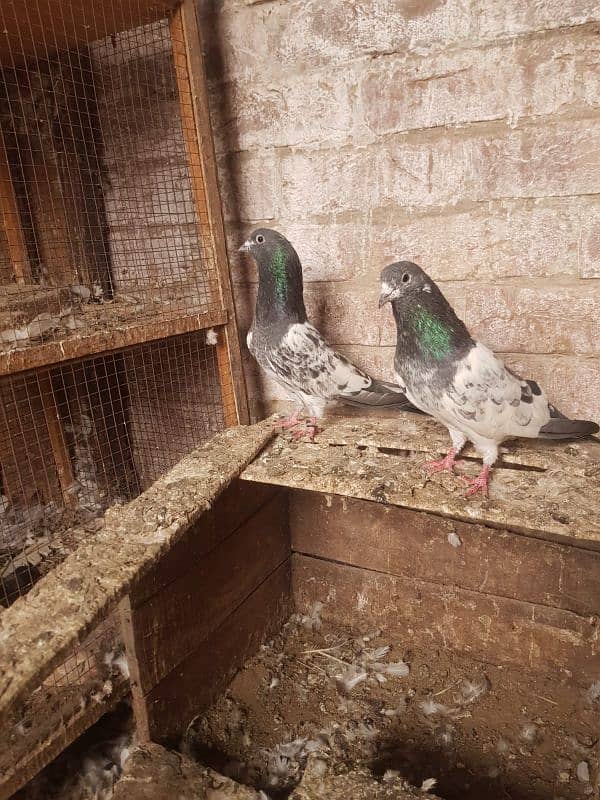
(487, 399)
(303, 362)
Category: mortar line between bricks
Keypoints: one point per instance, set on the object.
(423, 136)
(426, 52)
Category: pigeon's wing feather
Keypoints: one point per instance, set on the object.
(303, 360)
(492, 401)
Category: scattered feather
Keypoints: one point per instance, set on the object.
(583, 772)
(593, 693)
(379, 653)
(529, 732)
(473, 690)
(349, 679)
(428, 784)
(398, 669)
(211, 336)
(454, 540)
(390, 775)
(274, 683)
(312, 620)
(431, 707)
(503, 746)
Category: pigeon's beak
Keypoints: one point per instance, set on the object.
(245, 248)
(384, 297)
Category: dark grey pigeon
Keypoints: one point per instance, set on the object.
(291, 350)
(461, 383)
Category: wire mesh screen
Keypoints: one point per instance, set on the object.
(77, 438)
(113, 361)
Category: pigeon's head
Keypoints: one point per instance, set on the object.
(403, 280)
(263, 243)
(279, 271)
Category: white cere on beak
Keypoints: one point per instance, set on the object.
(246, 246)
(426, 288)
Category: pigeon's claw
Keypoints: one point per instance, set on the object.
(445, 464)
(291, 421)
(479, 484)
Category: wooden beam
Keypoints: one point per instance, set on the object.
(104, 341)
(56, 435)
(66, 604)
(195, 112)
(11, 219)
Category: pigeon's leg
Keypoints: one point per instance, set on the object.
(315, 406)
(479, 484)
(446, 464)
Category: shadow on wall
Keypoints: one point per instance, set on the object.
(225, 132)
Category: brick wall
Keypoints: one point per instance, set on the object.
(463, 136)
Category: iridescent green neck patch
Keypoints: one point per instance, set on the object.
(433, 335)
(280, 273)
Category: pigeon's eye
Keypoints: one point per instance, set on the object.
(406, 278)
(260, 239)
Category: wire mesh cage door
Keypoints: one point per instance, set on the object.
(118, 343)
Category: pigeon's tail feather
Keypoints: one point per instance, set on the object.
(560, 427)
(379, 394)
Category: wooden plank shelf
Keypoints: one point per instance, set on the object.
(542, 489)
(106, 336)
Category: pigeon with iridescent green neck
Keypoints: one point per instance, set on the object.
(461, 383)
(291, 350)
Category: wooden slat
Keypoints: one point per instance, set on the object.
(201, 152)
(415, 544)
(56, 435)
(104, 341)
(559, 503)
(66, 604)
(47, 26)
(495, 630)
(11, 219)
(192, 687)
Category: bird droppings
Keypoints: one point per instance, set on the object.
(456, 722)
(583, 772)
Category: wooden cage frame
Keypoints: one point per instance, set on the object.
(40, 357)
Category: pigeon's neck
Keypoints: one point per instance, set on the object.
(434, 336)
(280, 294)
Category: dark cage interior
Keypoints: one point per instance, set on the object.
(118, 345)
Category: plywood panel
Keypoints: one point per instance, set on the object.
(172, 624)
(196, 682)
(494, 629)
(415, 544)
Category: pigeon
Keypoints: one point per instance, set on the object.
(292, 351)
(459, 381)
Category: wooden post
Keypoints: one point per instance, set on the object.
(11, 219)
(57, 439)
(195, 118)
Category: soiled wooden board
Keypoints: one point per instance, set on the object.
(554, 493)
(36, 631)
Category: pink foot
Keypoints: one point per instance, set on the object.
(288, 422)
(310, 430)
(445, 464)
(479, 484)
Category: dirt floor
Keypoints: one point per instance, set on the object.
(367, 703)
(325, 713)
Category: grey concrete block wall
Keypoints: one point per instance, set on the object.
(464, 136)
